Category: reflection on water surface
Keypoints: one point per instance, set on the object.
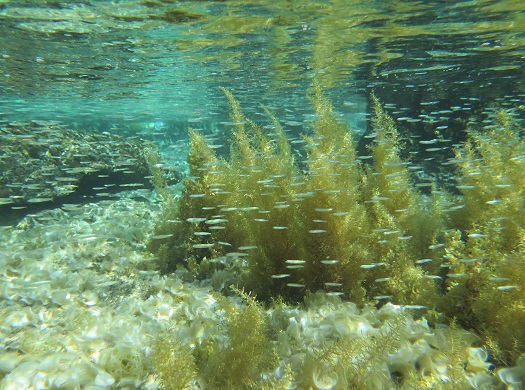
(98, 62)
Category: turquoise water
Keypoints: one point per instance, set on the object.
(82, 301)
(115, 64)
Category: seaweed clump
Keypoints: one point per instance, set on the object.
(334, 226)
(361, 230)
(247, 358)
(174, 364)
(485, 250)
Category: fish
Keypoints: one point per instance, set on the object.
(280, 276)
(195, 220)
(295, 285)
(295, 261)
(329, 262)
(202, 246)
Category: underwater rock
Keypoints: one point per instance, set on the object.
(44, 164)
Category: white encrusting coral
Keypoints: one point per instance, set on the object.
(335, 345)
(80, 306)
(83, 307)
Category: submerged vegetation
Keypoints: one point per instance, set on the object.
(333, 225)
(329, 271)
(313, 262)
(358, 226)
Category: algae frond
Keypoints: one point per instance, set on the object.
(295, 229)
(361, 230)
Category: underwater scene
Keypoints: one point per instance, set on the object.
(314, 194)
